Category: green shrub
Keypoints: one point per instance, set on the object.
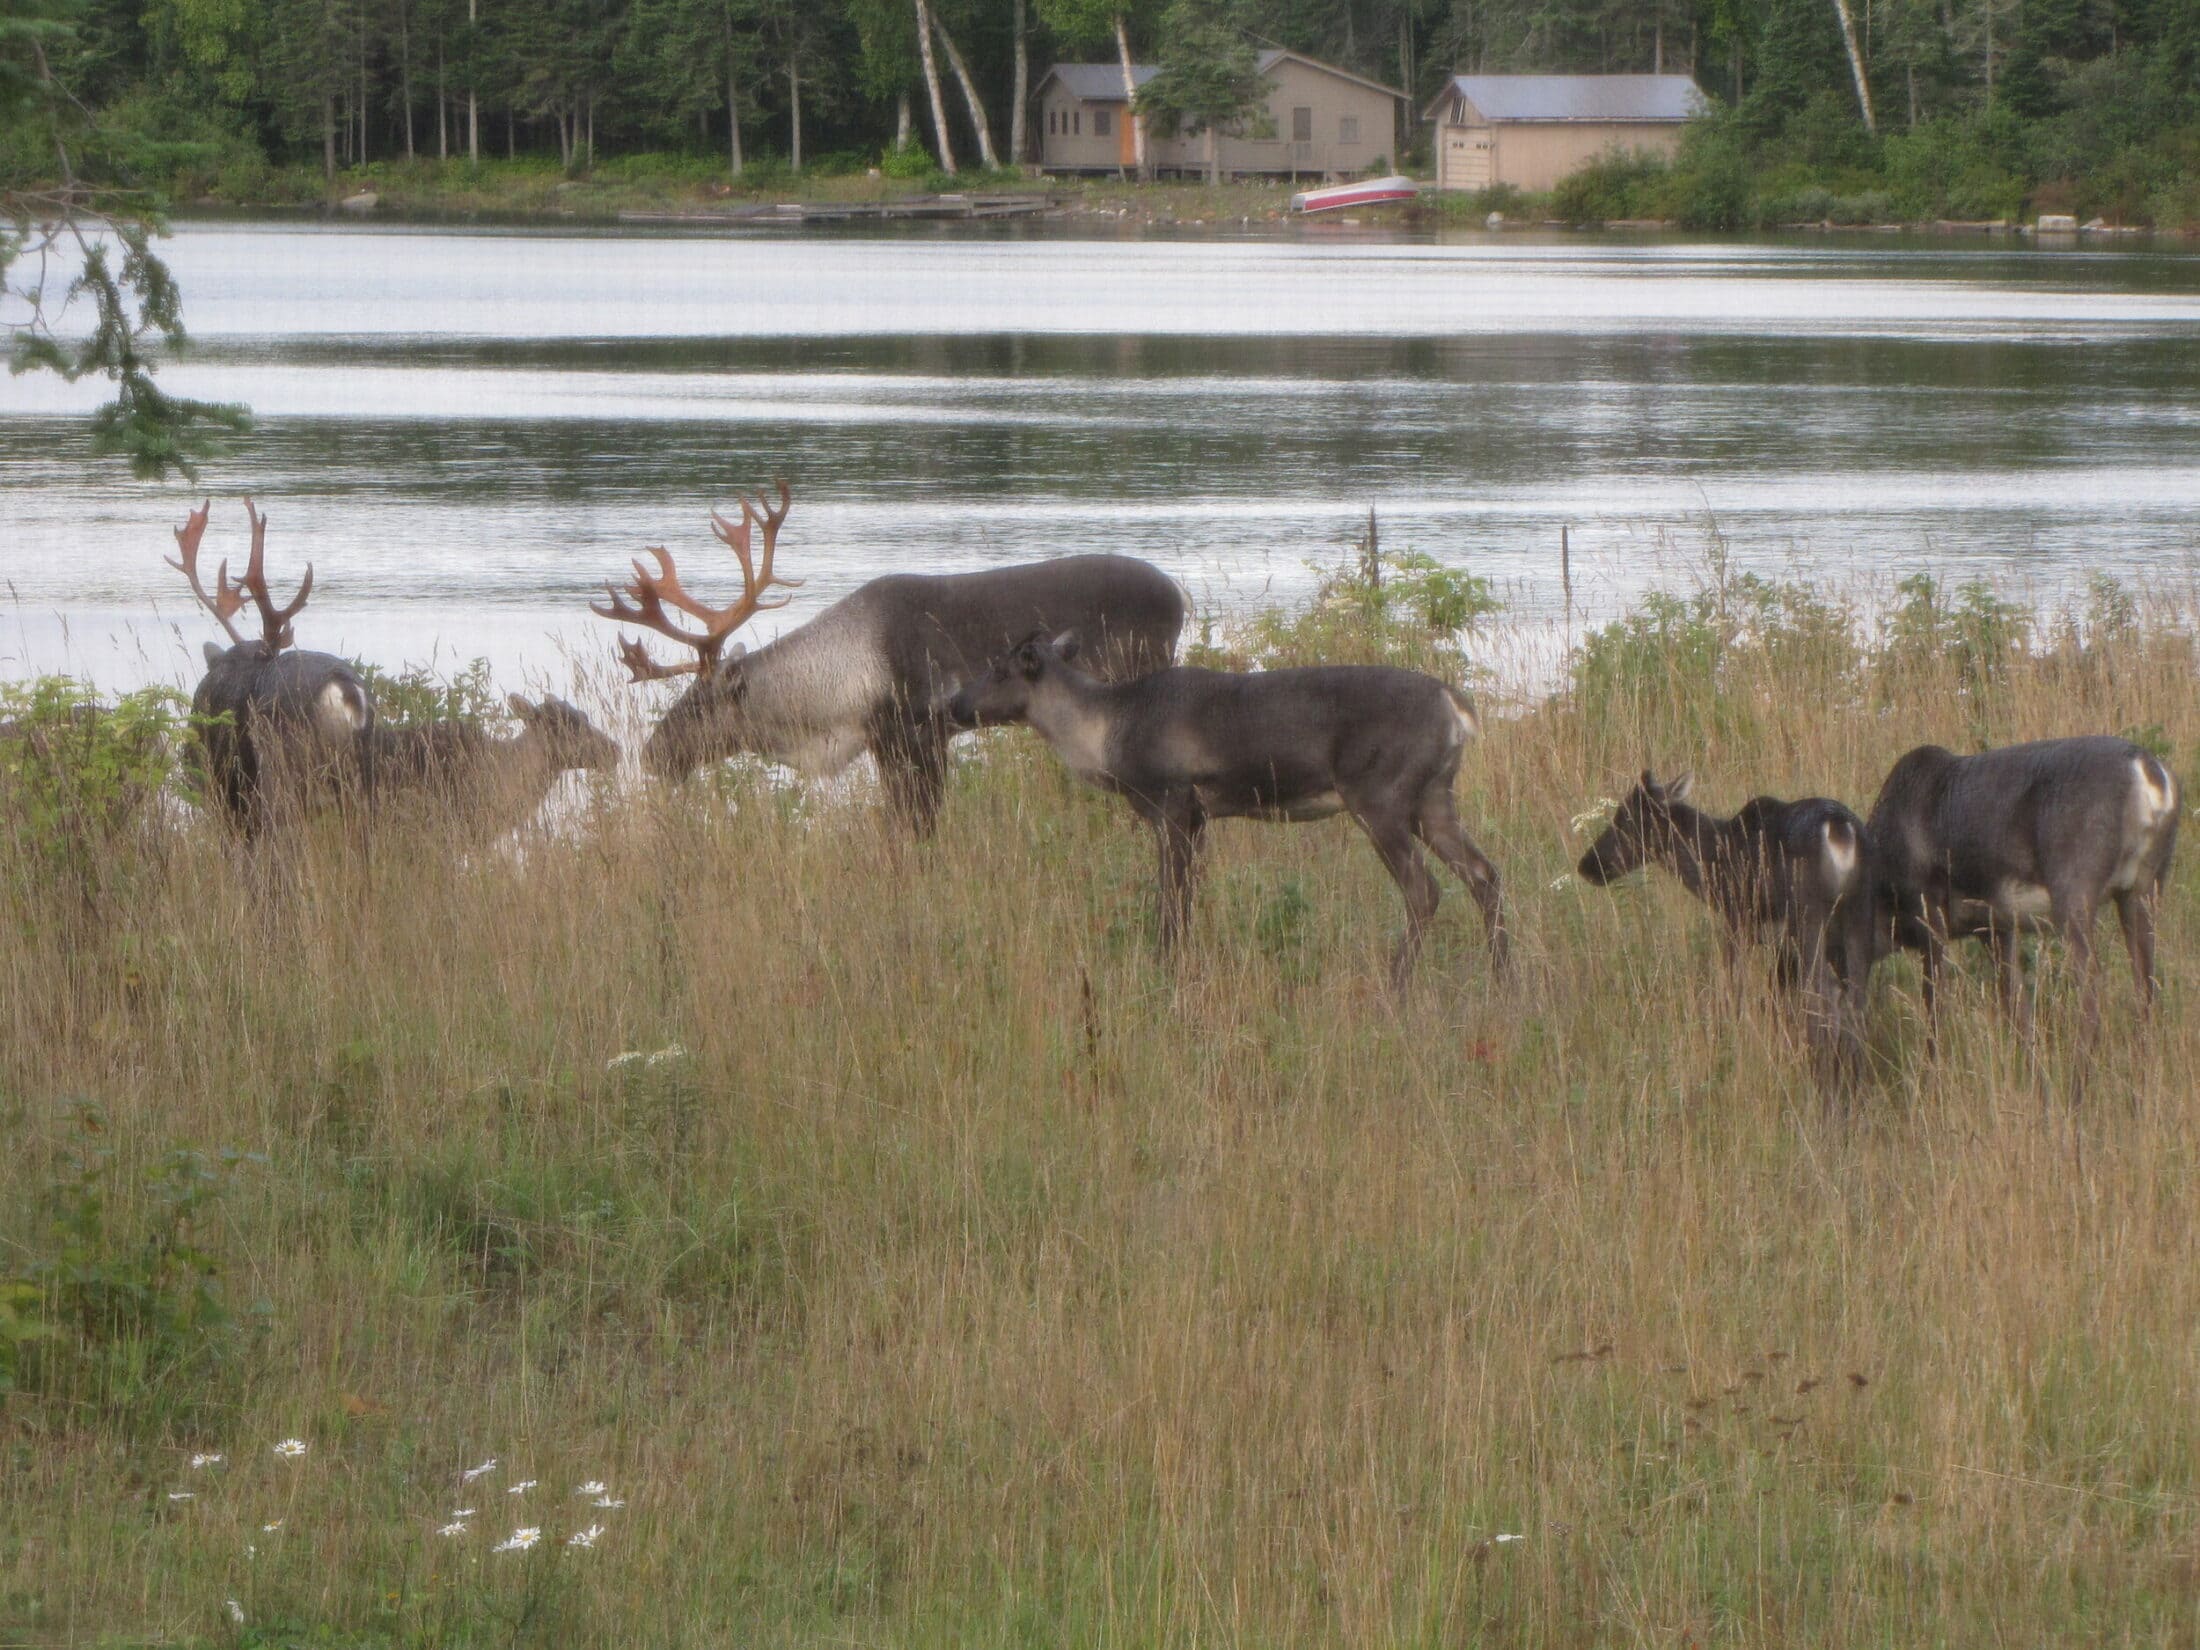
(1617, 184)
(415, 694)
(909, 164)
(1972, 628)
(119, 1311)
(1400, 608)
(76, 775)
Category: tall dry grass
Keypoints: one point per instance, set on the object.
(958, 1275)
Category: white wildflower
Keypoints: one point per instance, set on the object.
(181, 1495)
(584, 1538)
(646, 1057)
(1562, 882)
(608, 1501)
(1500, 1540)
(1603, 810)
(208, 1459)
(519, 1540)
(593, 1487)
(236, 1612)
(457, 1526)
(291, 1448)
(271, 1528)
(522, 1487)
(462, 1512)
(472, 1473)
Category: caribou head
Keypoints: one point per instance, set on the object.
(704, 725)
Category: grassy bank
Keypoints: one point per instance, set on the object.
(919, 1263)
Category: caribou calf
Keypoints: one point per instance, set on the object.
(457, 773)
(1799, 871)
(1184, 746)
(1991, 844)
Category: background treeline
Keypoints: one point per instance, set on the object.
(1830, 108)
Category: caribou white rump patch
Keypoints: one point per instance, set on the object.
(1840, 852)
(339, 709)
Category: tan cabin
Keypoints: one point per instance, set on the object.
(1530, 130)
(1320, 122)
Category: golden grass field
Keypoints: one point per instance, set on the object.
(963, 1277)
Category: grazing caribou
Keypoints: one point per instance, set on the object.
(873, 671)
(1989, 845)
(482, 785)
(1184, 746)
(277, 727)
(1798, 870)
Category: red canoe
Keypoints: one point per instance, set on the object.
(1368, 192)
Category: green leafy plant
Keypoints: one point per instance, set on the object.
(76, 774)
(119, 1307)
(416, 694)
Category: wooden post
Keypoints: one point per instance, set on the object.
(1566, 572)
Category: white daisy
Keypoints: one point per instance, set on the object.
(291, 1448)
(472, 1473)
(519, 1540)
(209, 1459)
(522, 1487)
(584, 1538)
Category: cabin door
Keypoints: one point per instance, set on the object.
(1126, 140)
(1468, 154)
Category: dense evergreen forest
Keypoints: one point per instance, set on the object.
(1870, 108)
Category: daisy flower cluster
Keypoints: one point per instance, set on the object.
(594, 1493)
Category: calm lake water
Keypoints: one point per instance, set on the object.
(466, 431)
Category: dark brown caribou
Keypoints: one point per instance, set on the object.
(2033, 835)
(1796, 872)
(1183, 746)
(278, 728)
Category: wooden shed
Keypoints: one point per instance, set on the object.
(1320, 121)
(1530, 130)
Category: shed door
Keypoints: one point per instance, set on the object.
(1467, 157)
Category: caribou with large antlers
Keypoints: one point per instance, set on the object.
(876, 670)
(276, 726)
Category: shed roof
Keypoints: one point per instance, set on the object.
(1631, 97)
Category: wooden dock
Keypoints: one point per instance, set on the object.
(895, 209)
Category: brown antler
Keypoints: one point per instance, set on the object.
(274, 621)
(644, 601)
(230, 597)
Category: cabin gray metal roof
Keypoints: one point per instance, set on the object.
(1631, 97)
(1103, 82)
(1096, 82)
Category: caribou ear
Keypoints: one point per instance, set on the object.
(521, 706)
(1650, 781)
(1678, 789)
(1065, 645)
(214, 655)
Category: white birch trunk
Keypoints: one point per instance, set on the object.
(1018, 138)
(1130, 95)
(1856, 63)
(932, 88)
(984, 127)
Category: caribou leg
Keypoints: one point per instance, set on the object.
(2135, 910)
(912, 763)
(1178, 824)
(1436, 823)
(1390, 828)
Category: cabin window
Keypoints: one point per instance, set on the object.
(1077, 122)
(1348, 129)
(1050, 122)
(1103, 123)
(1302, 125)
